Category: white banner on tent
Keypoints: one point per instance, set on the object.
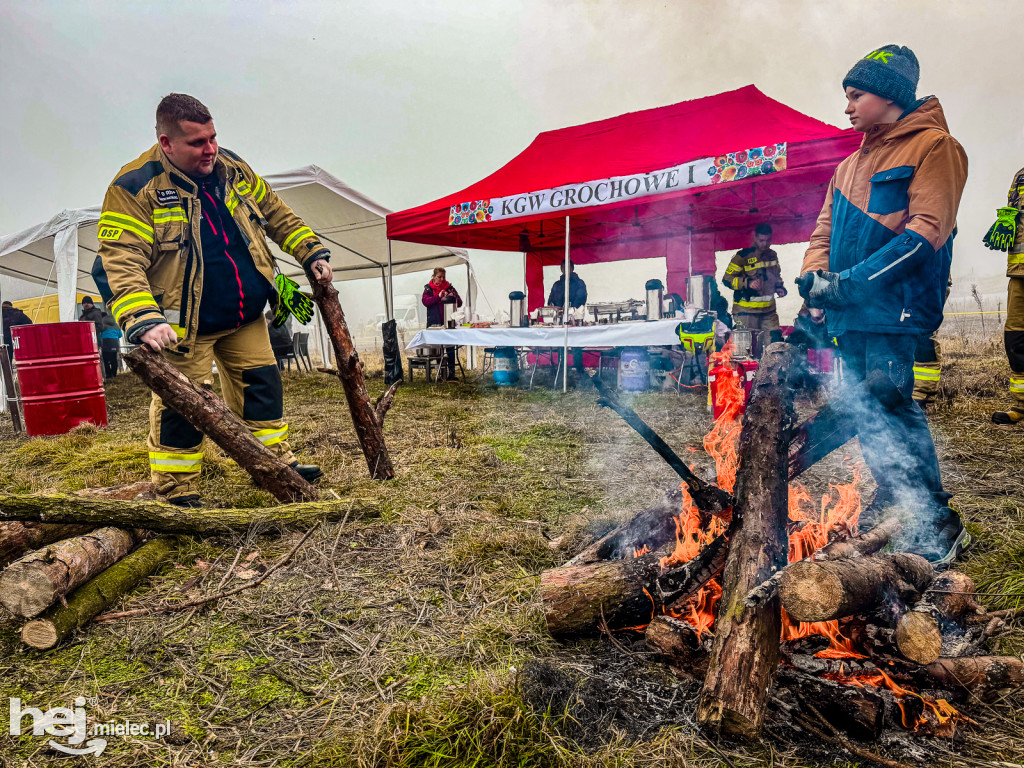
(695, 173)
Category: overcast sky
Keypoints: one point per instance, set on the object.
(408, 101)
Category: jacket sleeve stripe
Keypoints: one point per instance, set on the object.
(132, 301)
(261, 189)
(295, 238)
(140, 228)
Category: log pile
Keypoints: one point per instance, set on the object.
(780, 611)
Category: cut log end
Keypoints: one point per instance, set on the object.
(810, 591)
(40, 634)
(919, 638)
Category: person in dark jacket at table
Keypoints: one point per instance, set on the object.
(577, 289)
(436, 294)
(13, 316)
(577, 298)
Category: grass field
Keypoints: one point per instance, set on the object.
(417, 639)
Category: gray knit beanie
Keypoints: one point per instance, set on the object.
(891, 72)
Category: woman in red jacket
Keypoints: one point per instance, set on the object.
(436, 294)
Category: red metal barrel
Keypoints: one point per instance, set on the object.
(59, 376)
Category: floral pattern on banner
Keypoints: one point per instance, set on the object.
(470, 213)
(750, 162)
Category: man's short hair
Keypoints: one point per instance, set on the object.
(764, 228)
(7, 304)
(176, 107)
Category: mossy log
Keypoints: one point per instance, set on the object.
(168, 518)
(98, 594)
(745, 651)
(822, 591)
(936, 625)
(211, 416)
(35, 582)
(369, 428)
(17, 538)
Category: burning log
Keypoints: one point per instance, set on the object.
(862, 712)
(868, 544)
(621, 593)
(369, 429)
(936, 625)
(822, 591)
(745, 651)
(18, 538)
(211, 416)
(652, 528)
(977, 675)
(681, 644)
(708, 497)
(32, 584)
(168, 518)
(98, 594)
(815, 438)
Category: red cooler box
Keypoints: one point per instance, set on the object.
(59, 376)
(746, 370)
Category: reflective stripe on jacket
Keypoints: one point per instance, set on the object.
(888, 222)
(149, 268)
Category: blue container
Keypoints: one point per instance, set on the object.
(634, 369)
(506, 367)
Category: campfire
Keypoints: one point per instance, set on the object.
(777, 599)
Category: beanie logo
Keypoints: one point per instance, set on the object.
(882, 56)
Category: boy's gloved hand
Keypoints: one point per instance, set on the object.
(291, 301)
(1001, 235)
(824, 290)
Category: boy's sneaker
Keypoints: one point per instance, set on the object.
(949, 542)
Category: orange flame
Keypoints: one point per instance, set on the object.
(940, 709)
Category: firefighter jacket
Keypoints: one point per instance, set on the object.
(1015, 199)
(888, 223)
(748, 265)
(149, 268)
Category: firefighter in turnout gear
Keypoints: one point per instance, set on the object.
(755, 278)
(1007, 234)
(184, 267)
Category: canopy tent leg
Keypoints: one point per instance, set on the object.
(565, 313)
(389, 289)
(65, 259)
(471, 351)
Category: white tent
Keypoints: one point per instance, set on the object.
(61, 251)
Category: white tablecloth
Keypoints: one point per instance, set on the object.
(634, 334)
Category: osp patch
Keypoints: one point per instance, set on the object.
(109, 233)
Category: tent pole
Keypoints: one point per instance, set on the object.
(565, 313)
(471, 351)
(389, 292)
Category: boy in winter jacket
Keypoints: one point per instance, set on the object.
(879, 262)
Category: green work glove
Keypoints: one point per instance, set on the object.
(291, 301)
(1001, 235)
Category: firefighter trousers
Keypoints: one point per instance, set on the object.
(1013, 338)
(251, 383)
(927, 368)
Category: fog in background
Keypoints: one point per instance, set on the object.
(409, 101)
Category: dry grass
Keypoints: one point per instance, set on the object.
(428, 656)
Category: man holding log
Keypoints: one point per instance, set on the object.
(184, 266)
(878, 263)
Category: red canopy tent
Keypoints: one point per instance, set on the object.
(678, 182)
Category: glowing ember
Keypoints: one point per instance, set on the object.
(940, 709)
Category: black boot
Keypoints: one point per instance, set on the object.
(311, 473)
(186, 500)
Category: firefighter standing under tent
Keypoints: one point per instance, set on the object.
(755, 278)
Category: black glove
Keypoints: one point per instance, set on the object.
(824, 290)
